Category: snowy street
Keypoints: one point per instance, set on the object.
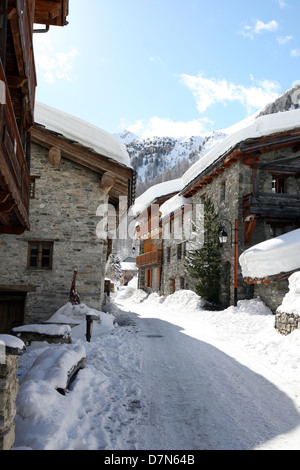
(170, 376)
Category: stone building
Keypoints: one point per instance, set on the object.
(252, 178)
(77, 172)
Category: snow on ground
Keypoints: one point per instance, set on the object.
(166, 374)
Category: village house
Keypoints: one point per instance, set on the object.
(149, 233)
(19, 20)
(252, 178)
(77, 172)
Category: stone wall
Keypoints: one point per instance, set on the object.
(9, 387)
(64, 213)
(285, 323)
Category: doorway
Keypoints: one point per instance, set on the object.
(12, 306)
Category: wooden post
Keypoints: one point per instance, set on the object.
(89, 321)
(236, 253)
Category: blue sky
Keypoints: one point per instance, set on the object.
(169, 67)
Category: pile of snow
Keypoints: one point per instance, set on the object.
(76, 314)
(52, 366)
(291, 301)
(262, 126)
(49, 330)
(184, 300)
(10, 342)
(158, 190)
(274, 256)
(82, 132)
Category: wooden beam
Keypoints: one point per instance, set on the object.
(107, 182)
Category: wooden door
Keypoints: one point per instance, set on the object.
(11, 310)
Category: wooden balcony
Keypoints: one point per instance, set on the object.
(149, 259)
(272, 206)
(14, 174)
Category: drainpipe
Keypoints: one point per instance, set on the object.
(42, 30)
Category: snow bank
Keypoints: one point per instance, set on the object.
(11, 341)
(185, 300)
(82, 132)
(262, 126)
(158, 190)
(291, 301)
(280, 254)
(76, 314)
(55, 364)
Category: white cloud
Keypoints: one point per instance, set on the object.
(284, 39)
(282, 4)
(295, 53)
(160, 127)
(53, 65)
(259, 27)
(208, 92)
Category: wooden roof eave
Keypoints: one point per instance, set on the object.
(51, 13)
(84, 156)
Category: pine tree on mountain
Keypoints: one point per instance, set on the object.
(204, 264)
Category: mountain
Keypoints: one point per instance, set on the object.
(159, 159)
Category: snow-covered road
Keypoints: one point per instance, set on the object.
(170, 376)
(198, 397)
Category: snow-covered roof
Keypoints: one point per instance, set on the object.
(82, 132)
(259, 127)
(127, 266)
(271, 257)
(174, 203)
(158, 190)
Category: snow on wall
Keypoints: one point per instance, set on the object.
(275, 256)
(261, 126)
(82, 132)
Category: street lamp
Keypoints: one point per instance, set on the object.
(223, 237)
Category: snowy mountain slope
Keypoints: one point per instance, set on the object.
(159, 159)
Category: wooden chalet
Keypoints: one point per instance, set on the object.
(17, 101)
(279, 206)
(149, 234)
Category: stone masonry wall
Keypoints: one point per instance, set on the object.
(64, 212)
(9, 387)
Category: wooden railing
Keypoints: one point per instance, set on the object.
(13, 167)
(272, 205)
(149, 259)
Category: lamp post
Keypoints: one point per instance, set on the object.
(223, 237)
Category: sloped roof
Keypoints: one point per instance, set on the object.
(82, 132)
(262, 126)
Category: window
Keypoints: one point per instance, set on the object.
(168, 254)
(223, 191)
(149, 278)
(40, 255)
(179, 251)
(182, 282)
(278, 185)
(276, 230)
(32, 186)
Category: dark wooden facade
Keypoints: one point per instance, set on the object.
(17, 100)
